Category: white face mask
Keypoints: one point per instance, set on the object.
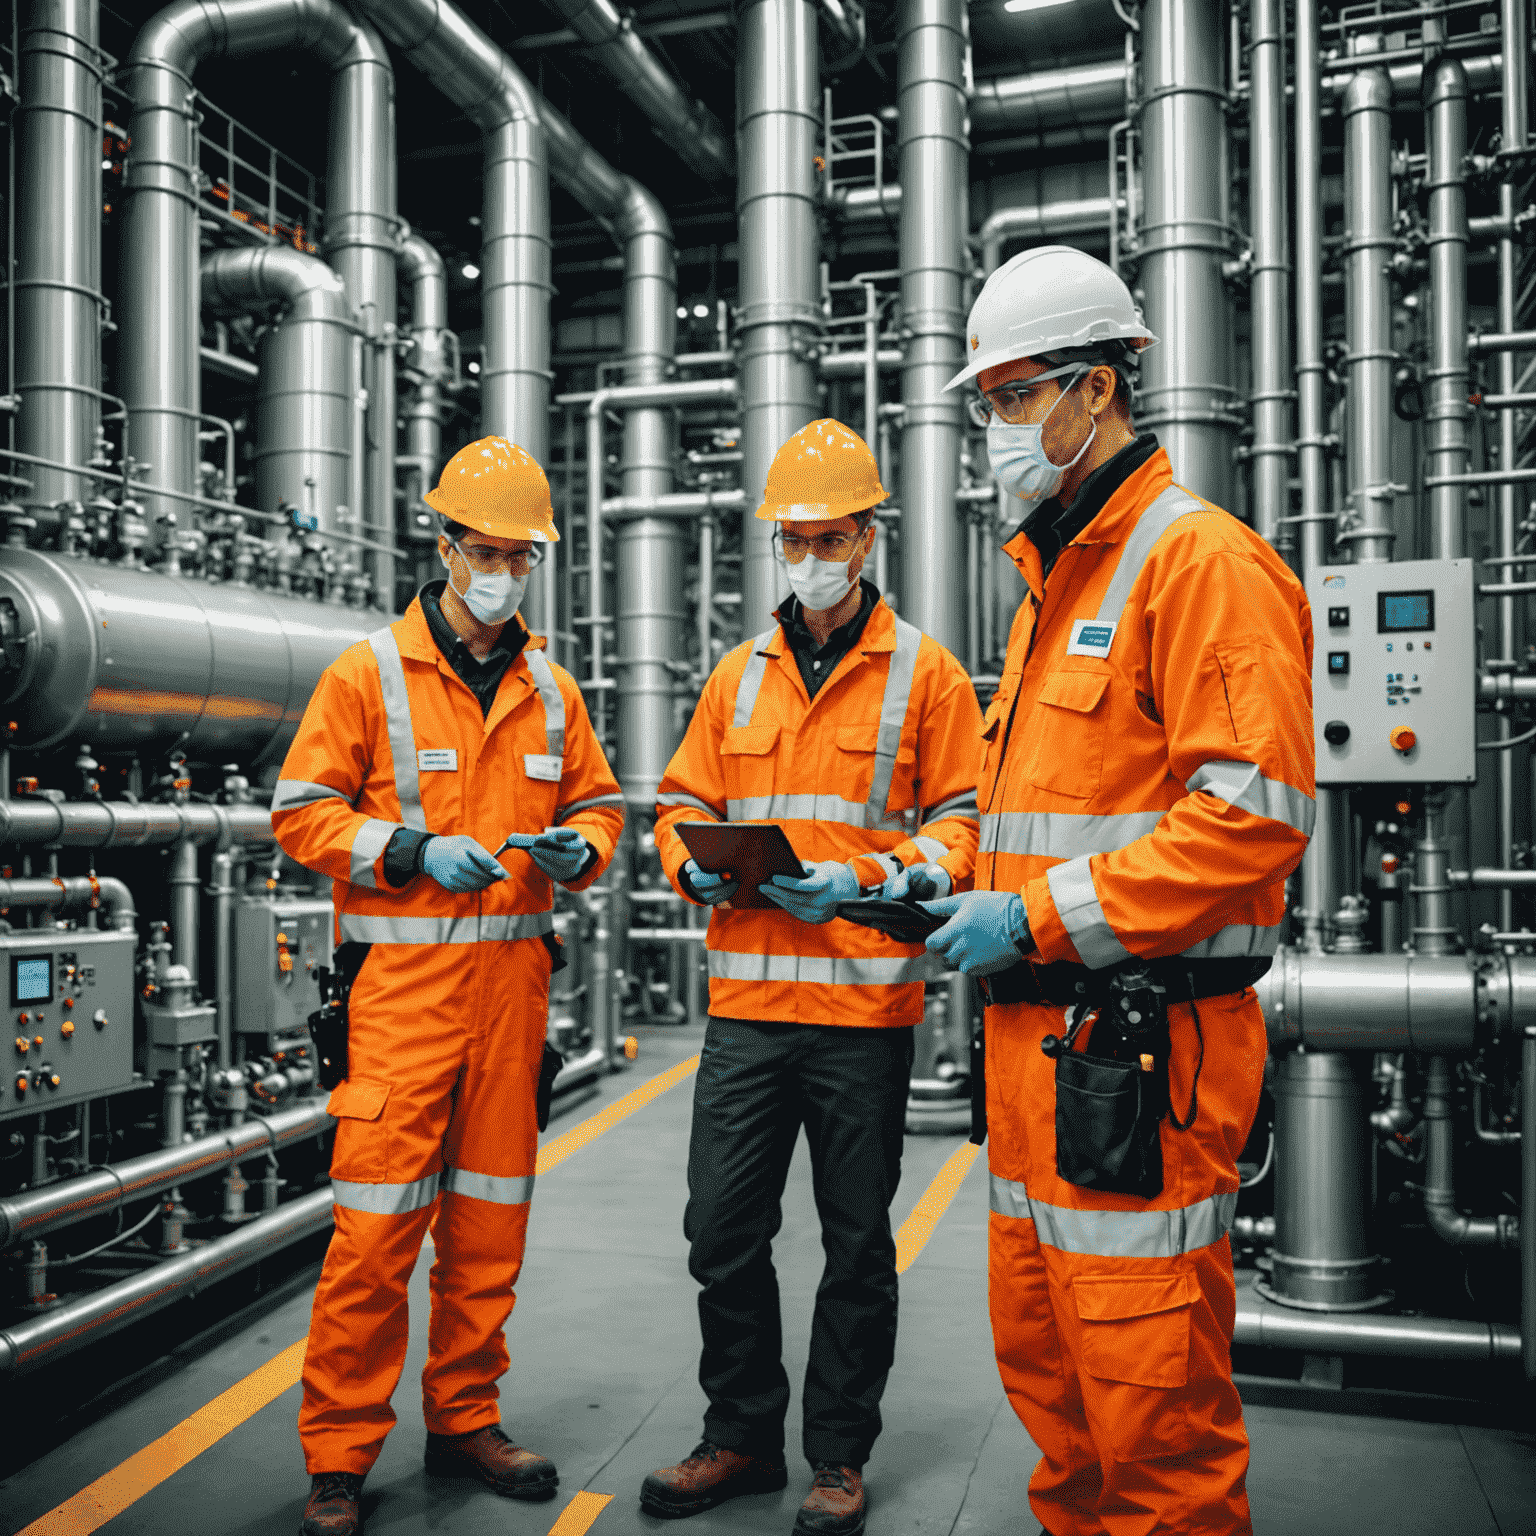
(492, 599)
(1018, 457)
(821, 584)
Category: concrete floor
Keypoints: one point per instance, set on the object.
(603, 1380)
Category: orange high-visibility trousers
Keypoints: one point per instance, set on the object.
(436, 1127)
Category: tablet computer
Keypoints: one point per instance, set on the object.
(752, 852)
(904, 921)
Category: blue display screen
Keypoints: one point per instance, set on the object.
(33, 980)
(1400, 611)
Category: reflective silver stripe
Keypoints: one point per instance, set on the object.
(752, 678)
(1244, 788)
(677, 798)
(1158, 518)
(385, 1199)
(368, 928)
(1077, 904)
(1119, 1234)
(833, 970)
(371, 841)
(567, 811)
(848, 813)
(397, 723)
(293, 792)
(963, 806)
(930, 848)
(1062, 834)
(1237, 941)
(488, 1186)
(554, 701)
(893, 715)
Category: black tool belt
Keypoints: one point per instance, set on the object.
(1064, 984)
(328, 1024)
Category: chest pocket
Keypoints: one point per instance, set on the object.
(747, 756)
(853, 768)
(1064, 753)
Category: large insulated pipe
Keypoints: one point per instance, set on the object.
(1270, 296)
(1445, 410)
(57, 894)
(426, 279)
(1369, 244)
(1186, 390)
(1087, 97)
(35, 1213)
(1322, 1254)
(59, 304)
(304, 398)
(85, 1320)
(934, 160)
(612, 44)
(119, 824)
(158, 302)
(1042, 221)
(778, 125)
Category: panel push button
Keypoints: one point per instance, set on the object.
(1338, 618)
(1336, 733)
(1403, 739)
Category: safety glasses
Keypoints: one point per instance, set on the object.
(488, 560)
(832, 547)
(1009, 402)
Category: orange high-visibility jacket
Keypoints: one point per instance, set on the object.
(1148, 776)
(878, 769)
(393, 738)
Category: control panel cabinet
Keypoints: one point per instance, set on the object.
(71, 1034)
(280, 943)
(1394, 673)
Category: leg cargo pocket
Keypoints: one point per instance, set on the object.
(1134, 1342)
(361, 1155)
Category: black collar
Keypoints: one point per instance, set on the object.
(842, 639)
(1051, 526)
(509, 643)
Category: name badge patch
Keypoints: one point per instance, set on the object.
(542, 765)
(1091, 637)
(438, 760)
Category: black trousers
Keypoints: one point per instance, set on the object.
(758, 1083)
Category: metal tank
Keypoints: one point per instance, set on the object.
(137, 660)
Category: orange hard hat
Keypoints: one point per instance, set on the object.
(824, 471)
(496, 488)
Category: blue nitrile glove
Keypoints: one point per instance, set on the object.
(922, 882)
(708, 887)
(561, 852)
(812, 899)
(984, 934)
(460, 864)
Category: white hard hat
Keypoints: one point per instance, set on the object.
(1046, 300)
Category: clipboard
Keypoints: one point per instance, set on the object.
(752, 852)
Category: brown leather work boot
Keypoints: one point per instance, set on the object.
(836, 1503)
(332, 1508)
(710, 1476)
(489, 1455)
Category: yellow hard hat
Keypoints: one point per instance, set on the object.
(497, 488)
(824, 471)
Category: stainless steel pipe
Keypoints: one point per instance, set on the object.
(36, 1212)
(1042, 221)
(1186, 391)
(59, 305)
(85, 1320)
(118, 824)
(1445, 1219)
(66, 893)
(1085, 98)
(1270, 298)
(1528, 1201)
(934, 159)
(1369, 245)
(778, 127)
(426, 278)
(304, 400)
(1492, 879)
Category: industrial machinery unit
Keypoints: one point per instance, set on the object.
(232, 370)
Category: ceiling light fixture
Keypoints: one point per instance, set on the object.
(470, 270)
(682, 311)
(473, 367)
(1032, 5)
(701, 311)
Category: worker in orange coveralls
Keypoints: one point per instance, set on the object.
(856, 734)
(421, 750)
(1146, 789)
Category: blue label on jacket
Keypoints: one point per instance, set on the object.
(1091, 637)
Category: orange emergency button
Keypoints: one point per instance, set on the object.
(1403, 738)
(66, 1029)
(23, 1045)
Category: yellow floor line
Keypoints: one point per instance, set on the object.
(577, 1516)
(114, 1491)
(918, 1227)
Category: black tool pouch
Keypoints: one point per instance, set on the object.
(329, 1022)
(549, 1069)
(1108, 1115)
(979, 1084)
